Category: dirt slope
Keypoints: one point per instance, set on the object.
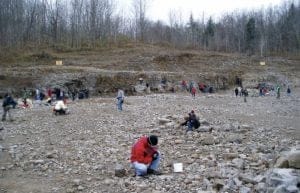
(102, 71)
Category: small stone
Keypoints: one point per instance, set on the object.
(80, 188)
(230, 156)
(178, 141)
(120, 170)
(76, 182)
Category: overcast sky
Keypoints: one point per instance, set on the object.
(160, 9)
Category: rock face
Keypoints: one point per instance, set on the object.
(88, 150)
(99, 82)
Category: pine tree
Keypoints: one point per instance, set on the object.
(250, 36)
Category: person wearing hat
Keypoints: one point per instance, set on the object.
(144, 156)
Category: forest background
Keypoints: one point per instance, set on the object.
(64, 26)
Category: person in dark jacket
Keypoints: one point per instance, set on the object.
(145, 157)
(288, 91)
(236, 92)
(192, 121)
(7, 104)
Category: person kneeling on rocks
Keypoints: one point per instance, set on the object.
(144, 156)
(60, 108)
(192, 121)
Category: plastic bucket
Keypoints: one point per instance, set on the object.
(178, 167)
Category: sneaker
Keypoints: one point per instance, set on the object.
(153, 172)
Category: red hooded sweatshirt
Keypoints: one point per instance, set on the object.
(142, 151)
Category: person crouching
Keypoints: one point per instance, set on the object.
(144, 156)
(192, 121)
(60, 108)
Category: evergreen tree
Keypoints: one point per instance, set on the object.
(250, 36)
(209, 31)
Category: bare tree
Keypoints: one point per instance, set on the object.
(139, 9)
(81, 23)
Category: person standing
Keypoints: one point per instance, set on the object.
(7, 104)
(193, 92)
(288, 91)
(236, 92)
(278, 92)
(120, 98)
(25, 96)
(49, 92)
(245, 94)
(37, 94)
(183, 85)
(190, 86)
(145, 157)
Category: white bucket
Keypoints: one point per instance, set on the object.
(178, 167)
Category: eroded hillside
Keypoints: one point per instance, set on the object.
(103, 71)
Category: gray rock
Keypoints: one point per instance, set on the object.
(207, 140)
(289, 160)
(163, 121)
(247, 178)
(218, 184)
(294, 159)
(283, 180)
(260, 187)
(282, 162)
(237, 182)
(76, 182)
(80, 188)
(245, 189)
(239, 163)
(235, 139)
(120, 170)
(205, 129)
(230, 156)
(204, 122)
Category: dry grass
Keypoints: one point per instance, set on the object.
(144, 59)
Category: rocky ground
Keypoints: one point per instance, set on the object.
(235, 149)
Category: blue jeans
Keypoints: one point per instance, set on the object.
(190, 125)
(119, 104)
(141, 169)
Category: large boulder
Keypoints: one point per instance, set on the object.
(289, 160)
(283, 180)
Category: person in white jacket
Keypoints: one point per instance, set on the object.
(60, 108)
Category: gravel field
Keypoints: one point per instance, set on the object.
(234, 150)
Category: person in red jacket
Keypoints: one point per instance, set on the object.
(144, 156)
(193, 92)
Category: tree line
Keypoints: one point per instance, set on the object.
(96, 23)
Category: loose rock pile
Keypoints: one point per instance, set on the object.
(239, 147)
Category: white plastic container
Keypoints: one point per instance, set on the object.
(178, 167)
